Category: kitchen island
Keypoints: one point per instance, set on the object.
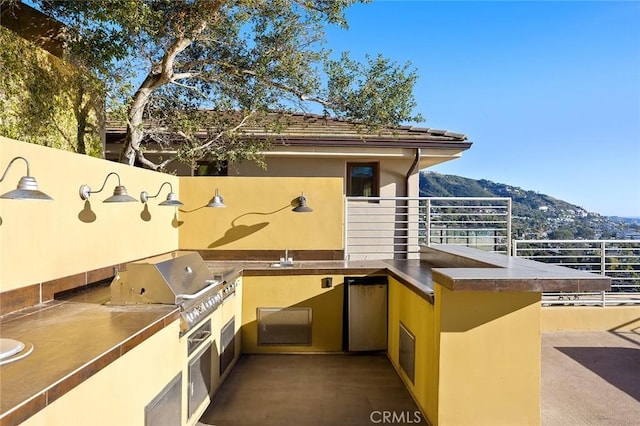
(75, 339)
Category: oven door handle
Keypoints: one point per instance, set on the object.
(201, 292)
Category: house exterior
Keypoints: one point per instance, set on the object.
(383, 163)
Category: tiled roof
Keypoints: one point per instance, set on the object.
(318, 130)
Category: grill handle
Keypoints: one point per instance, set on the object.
(212, 284)
(199, 337)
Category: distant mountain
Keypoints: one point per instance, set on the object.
(534, 215)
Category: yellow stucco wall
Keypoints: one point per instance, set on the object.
(392, 171)
(258, 215)
(489, 358)
(590, 318)
(418, 316)
(118, 394)
(45, 240)
(477, 354)
(294, 291)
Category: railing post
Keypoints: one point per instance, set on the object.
(603, 258)
(428, 219)
(346, 229)
(603, 267)
(508, 226)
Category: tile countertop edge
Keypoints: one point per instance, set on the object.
(39, 400)
(488, 271)
(401, 270)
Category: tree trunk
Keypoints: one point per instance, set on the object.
(159, 75)
(135, 132)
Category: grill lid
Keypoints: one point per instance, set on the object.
(174, 278)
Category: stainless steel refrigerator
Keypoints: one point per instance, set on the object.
(365, 313)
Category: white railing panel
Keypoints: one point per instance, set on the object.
(617, 259)
(396, 227)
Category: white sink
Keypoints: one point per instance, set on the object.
(9, 347)
(13, 350)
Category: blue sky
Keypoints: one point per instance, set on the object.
(548, 91)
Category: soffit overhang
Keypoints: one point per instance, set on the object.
(309, 135)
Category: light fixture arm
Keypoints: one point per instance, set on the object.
(85, 190)
(144, 195)
(9, 166)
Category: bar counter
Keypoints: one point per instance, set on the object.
(75, 338)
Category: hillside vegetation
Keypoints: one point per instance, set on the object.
(534, 215)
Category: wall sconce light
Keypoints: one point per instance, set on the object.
(217, 201)
(27, 188)
(172, 198)
(119, 192)
(302, 205)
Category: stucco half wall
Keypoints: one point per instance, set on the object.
(259, 214)
(45, 240)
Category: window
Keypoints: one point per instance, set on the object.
(362, 180)
(211, 168)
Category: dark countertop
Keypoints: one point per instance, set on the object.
(415, 274)
(461, 268)
(457, 268)
(71, 342)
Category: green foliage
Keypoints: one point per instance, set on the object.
(45, 101)
(248, 56)
(379, 94)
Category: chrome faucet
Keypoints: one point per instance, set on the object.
(286, 260)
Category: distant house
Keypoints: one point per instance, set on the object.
(631, 235)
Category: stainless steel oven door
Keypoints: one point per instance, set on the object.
(200, 383)
(199, 379)
(227, 345)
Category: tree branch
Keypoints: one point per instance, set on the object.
(300, 95)
(204, 146)
(193, 88)
(150, 164)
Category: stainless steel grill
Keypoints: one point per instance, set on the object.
(180, 278)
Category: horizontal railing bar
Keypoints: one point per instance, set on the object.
(580, 241)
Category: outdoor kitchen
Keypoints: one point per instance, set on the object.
(131, 312)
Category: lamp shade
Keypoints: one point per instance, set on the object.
(27, 188)
(120, 196)
(172, 200)
(217, 201)
(302, 206)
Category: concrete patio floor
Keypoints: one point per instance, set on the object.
(588, 378)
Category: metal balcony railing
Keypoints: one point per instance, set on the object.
(396, 227)
(617, 259)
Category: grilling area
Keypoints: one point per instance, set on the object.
(145, 314)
